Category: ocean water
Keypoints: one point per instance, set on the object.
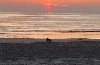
(17, 24)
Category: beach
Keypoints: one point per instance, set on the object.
(49, 32)
(59, 52)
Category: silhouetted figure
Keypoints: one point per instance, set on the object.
(48, 40)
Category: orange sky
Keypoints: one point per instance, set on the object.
(67, 2)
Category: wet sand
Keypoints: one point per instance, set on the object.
(32, 40)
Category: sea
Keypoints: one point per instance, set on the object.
(20, 25)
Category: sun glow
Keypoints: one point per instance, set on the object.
(49, 4)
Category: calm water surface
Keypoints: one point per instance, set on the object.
(13, 24)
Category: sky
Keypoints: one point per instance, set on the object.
(42, 6)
